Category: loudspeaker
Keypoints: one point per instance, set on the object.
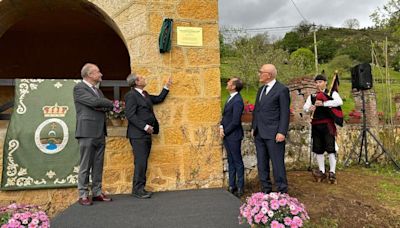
(361, 77)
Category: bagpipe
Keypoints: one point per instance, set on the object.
(336, 112)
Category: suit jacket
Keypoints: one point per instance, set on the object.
(90, 112)
(271, 114)
(231, 122)
(139, 112)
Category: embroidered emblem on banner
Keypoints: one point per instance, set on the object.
(51, 135)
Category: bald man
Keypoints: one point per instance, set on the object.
(269, 128)
(91, 107)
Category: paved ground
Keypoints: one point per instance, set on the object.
(193, 208)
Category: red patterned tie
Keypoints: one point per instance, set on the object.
(145, 93)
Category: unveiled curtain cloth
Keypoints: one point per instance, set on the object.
(40, 150)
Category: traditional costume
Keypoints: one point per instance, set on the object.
(324, 129)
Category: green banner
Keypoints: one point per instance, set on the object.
(40, 149)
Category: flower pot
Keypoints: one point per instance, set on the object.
(247, 117)
(354, 121)
(116, 122)
(125, 122)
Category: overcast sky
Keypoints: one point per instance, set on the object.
(274, 13)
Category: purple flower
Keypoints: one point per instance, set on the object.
(24, 216)
(264, 219)
(275, 224)
(264, 210)
(274, 204)
(35, 221)
(282, 202)
(16, 215)
(287, 221)
(273, 210)
(25, 221)
(297, 220)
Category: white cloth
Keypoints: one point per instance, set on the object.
(321, 162)
(93, 87)
(332, 162)
(266, 88)
(140, 91)
(270, 85)
(336, 102)
(231, 96)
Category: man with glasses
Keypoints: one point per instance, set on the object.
(91, 106)
(269, 127)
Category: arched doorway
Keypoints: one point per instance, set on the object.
(53, 39)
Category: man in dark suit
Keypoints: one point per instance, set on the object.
(142, 124)
(232, 133)
(91, 105)
(269, 127)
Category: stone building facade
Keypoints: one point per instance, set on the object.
(187, 152)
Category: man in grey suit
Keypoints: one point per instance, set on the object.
(91, 105)
(269, 127)
(142, 124)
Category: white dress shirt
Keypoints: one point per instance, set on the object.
(336, 102)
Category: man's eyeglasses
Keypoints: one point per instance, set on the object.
(263, 72)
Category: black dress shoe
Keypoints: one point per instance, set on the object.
(232, 190)
(141, 194)
(239, 192)
(147, 192)
(266, 191)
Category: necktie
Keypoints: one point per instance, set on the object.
(145, 93)
(96, 91)
(229, 99)
(264, 89)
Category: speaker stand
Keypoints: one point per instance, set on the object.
(364, 142)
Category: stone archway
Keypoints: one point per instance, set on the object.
(53, 39)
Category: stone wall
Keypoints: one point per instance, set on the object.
(300, 89)
(187, 153)
(297, 147)
(370, 105)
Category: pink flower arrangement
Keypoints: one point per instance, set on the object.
(118, 111)
(248, 107)
(275, 210)
(16, 215)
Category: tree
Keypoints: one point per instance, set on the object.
(291, 42)
(255, 51)
(358, 49)
(388, 18)
(327, 48)
(389, 12)
(352, 23)
(226, 49)
(342, 63)
(303, 60)
(303, 29)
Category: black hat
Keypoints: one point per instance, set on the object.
(320, 77)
